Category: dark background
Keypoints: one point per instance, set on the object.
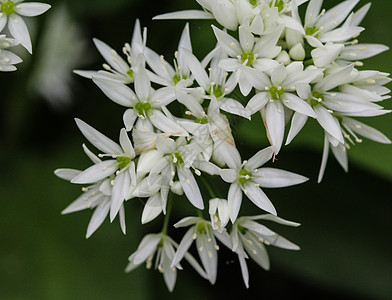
(346, 225)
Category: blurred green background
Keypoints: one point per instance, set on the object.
(346, 225)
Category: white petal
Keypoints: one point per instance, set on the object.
(185, 222)
(197, 70)
(244, 270)
(235, 198)
(366, 131)
(31, 9)
(229, 44)
(146, 248)
(116, 91)
(257, 102)
(324, 159)
(185, 15)
(228, 175)
(142, 84)
(328, 122)
(185, 244)
(66, 174)
(111, 56)
(96, 172)
(97, 218)
(297, 104)
(126, 144)
(152, 209)
(96, 138)
(208, 256)
(19, 31)
(231, 156)
(129, 119)
(297, 123)
(275, 120)
(274, 178)
(260, 158)
(121, 187)
(190, 187)
(163, 123)
(257, 196)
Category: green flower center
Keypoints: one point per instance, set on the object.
(316, 99)
(130, 73)
(8, 7)
(241, 229)
(123, 161)
(177, 78)
(253, 2)
(276, 92)
(312, 31)
(247, 56)
(279, 4)
(244, 176)
(201, 228)
(201, 121)
(143, 108)
(177, 159)
(216, 90)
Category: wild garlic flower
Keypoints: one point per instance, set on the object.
(145, 104)
(97, 196)
(323, 25)
(248, 238)
(178, 158)
(121, 165)
(163, 248)
(116, 68)
(219, 214)
(163, 73)
(216, 83)
(11, 12)
(248, 53)
(7, 58)
(247, 177)
(277, 94)
(326, 102)
(205, 237)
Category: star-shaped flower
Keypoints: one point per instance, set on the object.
(11, 12)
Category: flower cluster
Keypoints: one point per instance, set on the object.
(10, 16)
(177, 137)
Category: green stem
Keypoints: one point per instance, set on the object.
(208, 187)
(200, 213)
(167, 216)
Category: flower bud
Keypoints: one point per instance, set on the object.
(219, 213)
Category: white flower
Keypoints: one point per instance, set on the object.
(97, 195)
(276, 93)
(163, 247)
(7, 58)
(178, 159)
(163, 73)
(122, 165)
(145, 105)
(325, 102)
(117, 68)
(11, 12)
(216, 83)
(249, 237)
(219, 213)
(323, 25)
(247, 177)
(204, 235)
(248, 53)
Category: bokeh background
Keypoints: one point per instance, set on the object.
(346, 221)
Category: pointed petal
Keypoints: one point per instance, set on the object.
(31, 9)
(96, 138)
(235, 198)
(257, 196)
(97, 218)
(190, 187)
(274, 178)
(19, 31)
(96, 172)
